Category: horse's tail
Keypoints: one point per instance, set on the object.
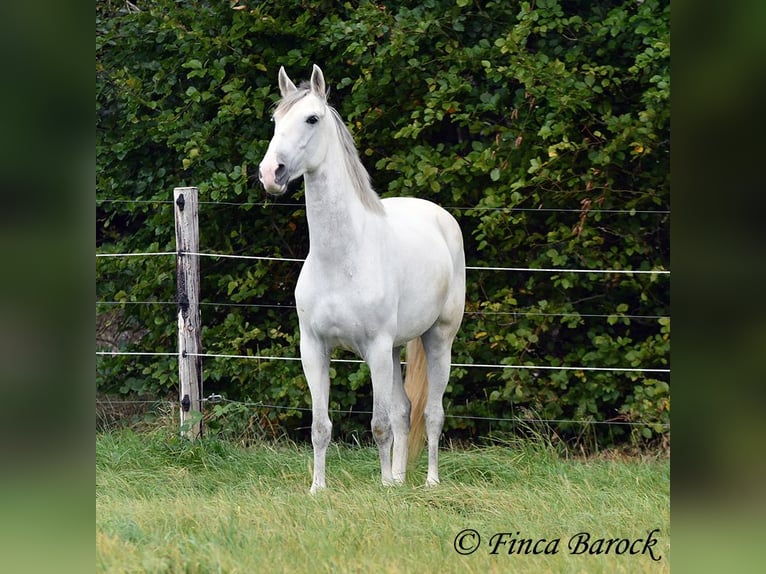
(416, 387)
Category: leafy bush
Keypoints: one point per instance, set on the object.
(543, 126)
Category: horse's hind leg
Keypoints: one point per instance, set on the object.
(400, 419)
(437, 343)
(316, 367)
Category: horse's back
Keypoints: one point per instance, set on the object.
(417, 213)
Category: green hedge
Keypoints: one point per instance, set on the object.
(543, 126)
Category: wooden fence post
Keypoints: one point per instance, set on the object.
(187, 268)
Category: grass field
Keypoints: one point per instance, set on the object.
(165, 505)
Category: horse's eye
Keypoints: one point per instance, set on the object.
(312, 120)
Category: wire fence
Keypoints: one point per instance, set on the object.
(474, 268)
(464, 365)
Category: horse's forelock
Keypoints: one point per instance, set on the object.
(287, 102)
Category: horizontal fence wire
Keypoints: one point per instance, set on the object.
(139, 254)
(214, 398)
(447, 207)
(555, 270)
(471, 268)
(475, 312)
(136, 353)
(458, 365)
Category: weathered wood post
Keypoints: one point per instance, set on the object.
(187, 269)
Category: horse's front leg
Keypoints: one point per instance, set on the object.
(315, 358)
(378, 358)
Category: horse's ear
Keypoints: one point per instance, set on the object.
(317, 82)
(286, 85)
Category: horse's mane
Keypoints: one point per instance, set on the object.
(360, 179)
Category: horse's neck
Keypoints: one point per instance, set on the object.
(336, 221)
(336, 216)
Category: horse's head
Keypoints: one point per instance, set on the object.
(301, 121)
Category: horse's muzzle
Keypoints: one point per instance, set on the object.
(274, 178)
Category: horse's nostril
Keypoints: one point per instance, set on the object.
(280, 176)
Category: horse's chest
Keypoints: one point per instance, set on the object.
(341, 307)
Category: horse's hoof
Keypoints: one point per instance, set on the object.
(317, 488)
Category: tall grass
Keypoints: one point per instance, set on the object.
(166, 505)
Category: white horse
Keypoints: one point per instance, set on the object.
(379, 274)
